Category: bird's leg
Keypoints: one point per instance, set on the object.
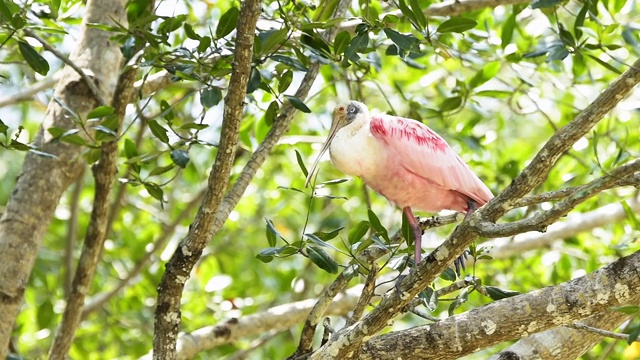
(459, 262)
(417, 233)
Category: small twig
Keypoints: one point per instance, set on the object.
(30, 92)
(367, 293)
(328, 330)
(255, 345)
(602, 332)
(89, 82)
(325, 299)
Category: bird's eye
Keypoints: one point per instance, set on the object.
(352, 109)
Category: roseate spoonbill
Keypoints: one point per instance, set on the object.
(405, 161)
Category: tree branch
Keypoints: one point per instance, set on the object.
(562, 342)
(543, 219)
(501, 248)
(167, 315)
(88, 81)
(104, 173)
(514, 317)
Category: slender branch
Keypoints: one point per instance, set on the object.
(104, 172)
(309, 328)
(72, 234)
(543, 219)
(167, 315)
(602, 332)
(631, 180)
(365, 297)
(501, 248)
(167, 231)
(30, 92)
(88, 81)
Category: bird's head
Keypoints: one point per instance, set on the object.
(350, 115)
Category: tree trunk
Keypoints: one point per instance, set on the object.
(43, 179)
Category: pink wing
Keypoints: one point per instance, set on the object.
(424, 153)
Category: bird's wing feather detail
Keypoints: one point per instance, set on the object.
(426, 154)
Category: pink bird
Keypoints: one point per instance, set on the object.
(403, 160)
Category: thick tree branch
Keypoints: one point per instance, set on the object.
(514, 317)
(44, 179)
(167, 318)
(347, 344)
(562, 342)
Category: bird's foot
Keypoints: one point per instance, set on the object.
(460, 262)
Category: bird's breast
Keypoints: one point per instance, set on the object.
(355, 153)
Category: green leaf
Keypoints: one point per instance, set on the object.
(403, 41)
(130, 149)
(377, 226)
(298, 104)
(429, 298)
(451, 103)
(631, 216)
(334, 182)
(35, 60)
(17, 145)
(357, 232)
(460, 299)
(271, 232)
(326, 236)
(267, 255)
(285, 81)
(341, 42)
(289, 61)
(180, 158)
(254, 81)
(3, 128)
(449, 275)
(633, 337)
(407, 230)
(210, 97)
(319, 257)
(488, 72)
(273, 38)
(539, 4)
(271, 228)
(605, 64)
(357, 44)
(315, 239)
(496, 293)
(507, 30)
(271, 113)
(159, 131)
(155, 191)
(45, 314)
(191, 34)
(418, 13)
(161, 170)
(193, 126)
(627, 309)
(305, 172)
(457, 25)
(100, 111)
(227, 22)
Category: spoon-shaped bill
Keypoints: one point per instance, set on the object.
(325, 146)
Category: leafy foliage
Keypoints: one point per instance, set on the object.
(496, 83)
